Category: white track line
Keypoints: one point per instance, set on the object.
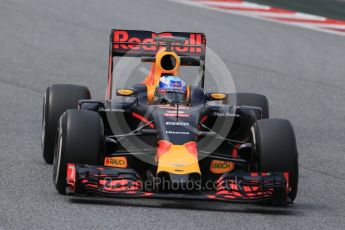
(245, 5)
(296, 15)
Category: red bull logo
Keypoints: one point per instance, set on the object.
(143, 40)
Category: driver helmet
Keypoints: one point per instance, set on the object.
(171, 89)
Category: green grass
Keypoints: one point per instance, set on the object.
(327, 8)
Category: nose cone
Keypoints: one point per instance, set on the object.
(177, 159)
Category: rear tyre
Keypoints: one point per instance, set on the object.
(275, 149)
(80, 140)
(57, 99)
(253, 99)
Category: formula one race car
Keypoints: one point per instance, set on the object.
(162, 138)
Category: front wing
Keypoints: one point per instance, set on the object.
(126, 183)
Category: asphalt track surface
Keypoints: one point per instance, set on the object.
(301, 71)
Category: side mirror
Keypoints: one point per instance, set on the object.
(215, 96)
(125, 92)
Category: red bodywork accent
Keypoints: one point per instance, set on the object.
(192, 148)
(71, 176)
(203, 119)
(143, 119)
(163, 146)
(286, 175)
(232, 189)
(234, 152)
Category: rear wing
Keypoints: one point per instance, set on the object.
(141, 43)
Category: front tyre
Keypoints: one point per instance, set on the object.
(80, 140)
(57, 99)
(275, 149)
